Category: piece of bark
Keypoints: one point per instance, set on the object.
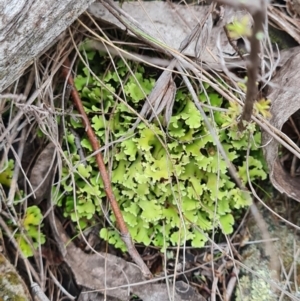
(42, 172)
(98, 271)
(171, 24)
(12, 287)
(28, 27)
(285, 102)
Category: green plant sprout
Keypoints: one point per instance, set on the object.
(7, 173)
(32, 219)
(262, 107)
(240, 27)
(155, 183)
(31, 224)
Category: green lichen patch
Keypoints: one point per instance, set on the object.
(7, 173)
(32, 231)
(11, 285)
(255, 286)
(255, 282)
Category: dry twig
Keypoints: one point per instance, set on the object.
(258, 10)
(105, 177)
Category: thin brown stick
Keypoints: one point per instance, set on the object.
(104, 174)
(232, 283)
(295, 158)
(253, 67)
(258, 10)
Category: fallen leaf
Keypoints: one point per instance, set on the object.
(42, 172)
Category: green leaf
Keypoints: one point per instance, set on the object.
(148, 138)
(111, 76)
(130, 219)
(119, 172)
(25, 247)
(104, 233)
(138, 87)
(7, 174)
(95, 108)
(189, 204)
(33, 216)
(84, 171)
(32, 223)
(199, 239)
(255, 170)
(133, 208)
(86, 144)
(203, 222)
(262, 106)
(142, 235)
(196, 187)
(91, 190)
(191, 216)
(122, 67)
(130, 149)
(80, 82)
(135, 175)
(214, 184)
(196, 146)
(215, 99)
(151, 210)
(142, 186)
(176, 127)
(71, 138)
(38, 237)
(227, 222)
(171, 215)
(239, 198)
(223, 206)
(85, 208)
(113, 238)
(217, 164)
(178, 237)
(159, 169)
(239, 28)
(98, 123)
(82, 224)
(191, 115)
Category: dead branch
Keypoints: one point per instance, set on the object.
(258, 10)
(104, 175)
(27, 28)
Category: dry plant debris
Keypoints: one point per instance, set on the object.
(285, 117)
(42, 107)
(28, 28)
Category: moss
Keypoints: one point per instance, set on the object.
(251, 287)
(2, 259)
(281, 38)
(9, 293)
(11, 284)
(13, 278)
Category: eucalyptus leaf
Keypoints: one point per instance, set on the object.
(41, 175)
